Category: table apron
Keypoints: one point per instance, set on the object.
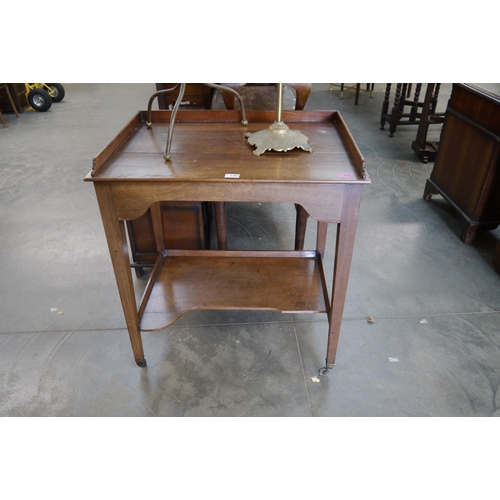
(322, 202)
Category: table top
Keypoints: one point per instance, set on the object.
(209, 145)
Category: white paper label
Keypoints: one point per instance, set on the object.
(232, 176)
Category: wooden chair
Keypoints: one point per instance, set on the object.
(302, 89)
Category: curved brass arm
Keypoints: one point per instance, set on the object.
(172, 121)
(182, 89)
(149, 123)
(244, 120)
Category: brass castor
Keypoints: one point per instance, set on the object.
(325, 369)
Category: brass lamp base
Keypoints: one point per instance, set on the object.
(278, 137)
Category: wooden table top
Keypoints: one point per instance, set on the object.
(208, 145)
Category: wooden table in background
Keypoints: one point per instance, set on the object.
(130, 174)
(406, 111)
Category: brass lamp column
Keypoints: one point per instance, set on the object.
(278, 136)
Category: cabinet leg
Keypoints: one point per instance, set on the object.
(469, 231)
(429, 190)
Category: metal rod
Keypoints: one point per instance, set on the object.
(244, 120)
(177, 104)
(279, 102)
(172, 121)
(149, 123)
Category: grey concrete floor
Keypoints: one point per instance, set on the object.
(433, 350)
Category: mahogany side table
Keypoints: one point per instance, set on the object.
(212, 160)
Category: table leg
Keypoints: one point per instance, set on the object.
(346, 233)
(385, 106)
(321, 238)
(395, 110)
(435, 98)
(416, 98)
(221, 223)
(300, 227)
(118, 249)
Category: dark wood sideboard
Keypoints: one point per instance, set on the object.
(467, 168)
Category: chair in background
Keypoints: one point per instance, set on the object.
(302, 90)
(357, 87)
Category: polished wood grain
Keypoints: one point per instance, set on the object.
(201, 137)
(130, 175)
(281, 281)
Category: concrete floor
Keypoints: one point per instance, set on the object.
(434, 349)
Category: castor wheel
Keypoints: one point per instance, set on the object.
(325, 369)
(142, 363)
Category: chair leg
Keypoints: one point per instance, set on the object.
(356, 100)
(2, 120)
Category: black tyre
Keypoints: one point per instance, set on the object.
(56, 91)
(39, 99)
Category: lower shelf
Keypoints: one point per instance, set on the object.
(285, 281)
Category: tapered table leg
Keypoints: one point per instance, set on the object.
(118, 249)
(346, 234)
